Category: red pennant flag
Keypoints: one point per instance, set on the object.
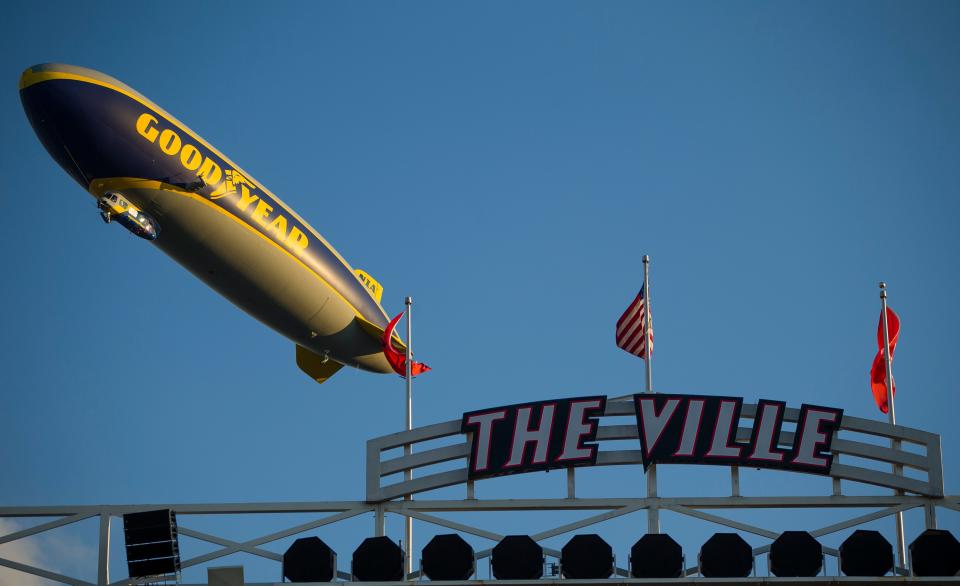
(878, 372)
(397, 360)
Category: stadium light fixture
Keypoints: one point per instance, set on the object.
(726, 555)
(795, 554)
(378, 559)
(517, 557)
(866, 553)
(656, 555)
(586, 556)
(935, 552)
(447, 557)
(309, 559)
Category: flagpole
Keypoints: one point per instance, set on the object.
(408, 448)
(653, 513)
(891, 412)
(649, 328)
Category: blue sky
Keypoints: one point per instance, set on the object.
(507, 165)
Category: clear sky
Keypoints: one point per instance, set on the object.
(507, 165)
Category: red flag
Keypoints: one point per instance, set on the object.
(878, 372)
(397, 360)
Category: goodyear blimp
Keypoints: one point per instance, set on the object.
(151, 174)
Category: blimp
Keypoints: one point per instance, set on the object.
(152, 175)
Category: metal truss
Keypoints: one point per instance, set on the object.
(433, 511)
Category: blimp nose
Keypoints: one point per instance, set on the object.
(80, 117)
(55, 119)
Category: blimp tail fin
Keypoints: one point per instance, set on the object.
(319, 368)
(377, 332)
(374, 286)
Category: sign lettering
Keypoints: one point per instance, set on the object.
(672, 429)
(698, 429)
(533, 436)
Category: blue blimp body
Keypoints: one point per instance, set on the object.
(153, 175)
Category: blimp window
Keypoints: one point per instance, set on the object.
(123, 204)
(113, 197)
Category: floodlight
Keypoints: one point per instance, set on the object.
(795, 553)
(866, 553)
(517, 557)
(656, 555)
(726, 555)
(447, 557)
(586, 556)
(936, 552)
(309, 559)
(378, 559)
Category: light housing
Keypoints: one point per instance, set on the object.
(586, 556)
(795, 554)
(517, 557)
(935, 552)
(309, 559)
(447, 557)
(377, 559)
(656, 555)
(726, 555)
(866, 553)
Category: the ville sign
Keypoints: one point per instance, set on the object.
(673, 429)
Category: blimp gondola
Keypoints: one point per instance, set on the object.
(115, 207)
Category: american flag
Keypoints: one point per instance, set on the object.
(632, 325)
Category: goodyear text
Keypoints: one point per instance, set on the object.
(245, 196)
